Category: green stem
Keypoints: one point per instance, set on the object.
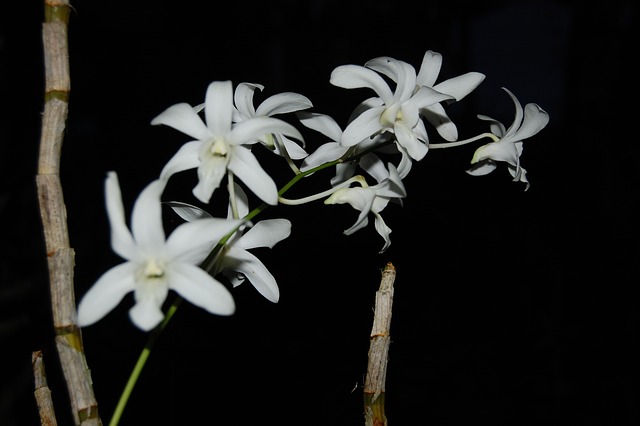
(142, 359)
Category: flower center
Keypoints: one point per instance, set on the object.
(153, 270)
(390, 116)
(219, 148)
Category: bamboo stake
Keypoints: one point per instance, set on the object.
(60, 255)
(374, 385)
(42, 391)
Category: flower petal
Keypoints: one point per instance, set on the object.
(243, 99)
(429, 69)
(355, 76)
(283, 103)
(266, 233)
(183, 118)
(460, 86)
(245, 165)
(251, 130)
(146, 314)
(246, 263)
(186, 158)
(192, 241)
(122, 241)
(146, 219)
(106, 293)
(201, 289)
(218, 108)
(362, 127)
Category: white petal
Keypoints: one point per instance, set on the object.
(283, 103)
(408, 140)
(266, 233)
(106, 293)
(429, 69)
(192, 241)
(218, 108)
(321, 123)
(146, 314)
(121, 239)
(186, 211)
(325, 153)
(384, 231)
(146, 220)
(186, 158)
(243, 98)
(210, 174)
(245, 166)
(460, 86)
(201, 289)
(250, 131)
(183, 118)
(365, 125)
(354, 77)
(255, 271)
(436, 115)
(535, 119)
(482, 168)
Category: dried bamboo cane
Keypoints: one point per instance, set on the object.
(374, 385)
(60, 255)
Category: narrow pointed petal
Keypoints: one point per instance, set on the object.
(187, 212)
(245, 166)
(146, 314)
(121, 239)
(293, 149)
(283, 103)
(250, 131)
(243, 98)
(183, 118)
(384, 232)
(106, 293)
(210, 174)
(429, 69)
(460, 86)
(321, 123)
(426, 96)
(192, 241)
(517, 121)
(408, 140)
(218, 108)
(146, 219)
(436, 115)
(201, 289)
(325, 153)
(186, 158)
(266, 233)
(482, 168)
(255, 271)
(535, 119)
(384, 65)
(354, 77)
(364, 126)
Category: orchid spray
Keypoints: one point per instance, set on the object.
(226, 136)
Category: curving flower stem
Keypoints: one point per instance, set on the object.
(142, 360)
(207, 264)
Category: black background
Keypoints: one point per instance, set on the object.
(511, 307)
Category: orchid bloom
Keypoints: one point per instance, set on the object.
(509, 143)
(372, 199)
(234, 261)
(457, 87)
(392, 111)
(219, 144)
(155, 264)
(280, 103)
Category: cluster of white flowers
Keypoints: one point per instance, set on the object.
(390, 125)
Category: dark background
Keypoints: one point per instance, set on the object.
(511, 307)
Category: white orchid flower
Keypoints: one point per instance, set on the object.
(219, 144)
(392, 111)
(372, 199)
(509, 142)
(234, 261)
(333, 150)
(155, 264)
(280, 103)
(457, 87)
